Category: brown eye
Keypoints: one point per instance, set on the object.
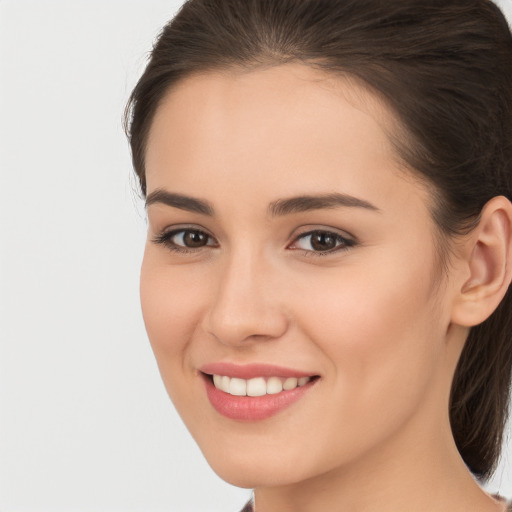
(321, 242)
(192, 239)
(185, 240)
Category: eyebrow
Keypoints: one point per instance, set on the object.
(319, 202)
(277, 208)
(180, 201)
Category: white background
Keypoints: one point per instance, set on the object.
(85, 424)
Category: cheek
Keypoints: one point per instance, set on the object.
(170, 309)
(382, 334)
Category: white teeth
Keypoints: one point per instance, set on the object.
(224, 384)
(217, 380)
(274, 386)
(238, 387)
(257, 386)
(290, 383)
(302, 381)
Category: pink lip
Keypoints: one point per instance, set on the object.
(250, 371)
(247, 408)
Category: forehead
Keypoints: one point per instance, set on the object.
(297, 90)
(282, 125)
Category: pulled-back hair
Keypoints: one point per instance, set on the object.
(444, 67)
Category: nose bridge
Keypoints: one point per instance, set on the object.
(243, 306)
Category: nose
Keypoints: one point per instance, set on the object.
(245, 306)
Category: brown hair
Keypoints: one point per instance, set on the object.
(444, 67)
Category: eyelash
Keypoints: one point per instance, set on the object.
(343, 244)
(165, 239)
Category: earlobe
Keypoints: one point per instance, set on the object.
(488, 262)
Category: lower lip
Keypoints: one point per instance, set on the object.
(253, 408)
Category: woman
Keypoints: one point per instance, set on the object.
(326, 278)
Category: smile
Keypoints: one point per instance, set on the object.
(258, 386)
(254, 392)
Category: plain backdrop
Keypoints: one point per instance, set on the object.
(85, 423)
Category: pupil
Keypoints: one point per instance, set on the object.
(195, 239)
(323, 241)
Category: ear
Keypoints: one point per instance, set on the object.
(486, 265)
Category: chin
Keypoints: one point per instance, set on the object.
(252, 474)
(259, 467)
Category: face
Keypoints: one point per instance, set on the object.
(291, 258)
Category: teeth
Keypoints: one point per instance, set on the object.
(274, 386)
(257, 386)
(238, 387)
(303, 380)
(224, 384)
(291, 383)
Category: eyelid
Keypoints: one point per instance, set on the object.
(176, 228)
(349, 241)
(314, 228)
(165, 236)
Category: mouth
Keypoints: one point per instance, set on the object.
(258, 386)
(264, 392)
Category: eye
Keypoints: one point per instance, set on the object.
(185, 240)
(321, 242)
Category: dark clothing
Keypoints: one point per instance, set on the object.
(248, 507)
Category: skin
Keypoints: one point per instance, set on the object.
(374, 320)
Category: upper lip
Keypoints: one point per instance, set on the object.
(250, 371)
